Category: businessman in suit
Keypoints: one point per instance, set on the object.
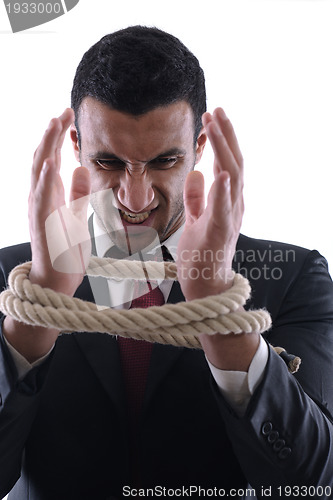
(217, 418)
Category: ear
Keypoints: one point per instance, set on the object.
(200, 145)
(75, 141)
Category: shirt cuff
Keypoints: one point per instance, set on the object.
(238, 387)
(21, 363)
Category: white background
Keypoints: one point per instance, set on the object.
(268, 63)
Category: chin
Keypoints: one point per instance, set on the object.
(135, 238)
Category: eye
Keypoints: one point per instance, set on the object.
(111, 164)
(164, 162)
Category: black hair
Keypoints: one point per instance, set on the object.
(138, 69)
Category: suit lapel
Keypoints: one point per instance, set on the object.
(101, 352)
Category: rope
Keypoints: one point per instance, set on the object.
(176, 324)
(125, 269)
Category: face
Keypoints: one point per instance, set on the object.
(138, 167)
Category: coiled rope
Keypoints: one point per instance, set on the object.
(176, 324)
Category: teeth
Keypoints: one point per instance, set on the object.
(135, 218)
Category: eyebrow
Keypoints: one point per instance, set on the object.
(104, 155)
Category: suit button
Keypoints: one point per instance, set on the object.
(267, 428)
(284, 453)
(279, 444)
(272, 437)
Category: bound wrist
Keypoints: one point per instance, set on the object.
(57, 281)
(199, 291)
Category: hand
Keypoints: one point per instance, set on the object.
(65, 224)
(46, 198)
(210, 238)
(208, 243)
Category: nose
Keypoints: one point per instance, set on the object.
(135, 191)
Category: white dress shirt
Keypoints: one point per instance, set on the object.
(236, 387)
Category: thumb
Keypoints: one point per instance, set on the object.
(194, 196)
(80, 191)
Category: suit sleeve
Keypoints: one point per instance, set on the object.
(285, 437)
(18, 407)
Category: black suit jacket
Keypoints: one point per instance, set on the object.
(64, 429)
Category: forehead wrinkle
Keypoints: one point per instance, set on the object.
(103, 155)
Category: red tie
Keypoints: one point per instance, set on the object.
(135, 356)
(135, 359)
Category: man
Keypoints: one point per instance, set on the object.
(67, 429)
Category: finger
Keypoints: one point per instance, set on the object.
(224, 221)
(54, 137)
(67, 118)
(194, 196)
(223, 155)
(224, 159)
(223, 213)
(219, 199)
(49, 193)
(206, 118)
(229, 133)
(52, 140)
(44, 151)
(80, 183)
(80, 192)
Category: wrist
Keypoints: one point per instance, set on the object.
(32, 342)
(233, 352)
(57, 281)
(200, 290)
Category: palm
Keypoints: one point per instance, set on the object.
(57, 231)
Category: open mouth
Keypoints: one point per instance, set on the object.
(135, 218)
